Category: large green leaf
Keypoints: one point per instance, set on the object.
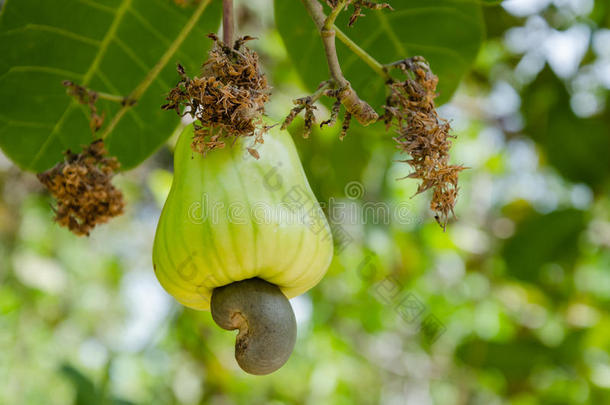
(447, 32)
(87, 393)
(515, 359)
(576, 147)
(112, 46)
(542, 239)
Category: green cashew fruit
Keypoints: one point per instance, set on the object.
(240, 235)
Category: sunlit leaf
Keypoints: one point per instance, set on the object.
(542, 239)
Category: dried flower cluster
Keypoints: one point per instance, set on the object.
(307, 104)
(227, 100)
(421, 133)
(303, 103)
(346, 96)
(87, 97)
(83, 189)
(360, 4)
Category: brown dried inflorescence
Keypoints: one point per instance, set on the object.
(303, 103)
(86, 97)
(360, 4)
(346, 96)
(421, 133)
(227, 100)
(82, 186)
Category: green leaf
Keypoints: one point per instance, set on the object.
(515, 358)
(576, 147)
(447, 32)
(121, 47)
(86, 392)
(542, 239)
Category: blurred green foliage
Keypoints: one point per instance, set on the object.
(520, 283)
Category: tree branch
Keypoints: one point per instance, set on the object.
(314, 8)
(227, 22)
(363, 112)
(326, 27)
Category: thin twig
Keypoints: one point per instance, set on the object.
(362, 54)
(110, 97)
(406, 62)
(334, 13)
(363, 112)
(227, 22)
(314, 8)
(326, 27)
(116, 99)
(320, 92)
(307, 103)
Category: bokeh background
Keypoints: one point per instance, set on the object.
(508, 306)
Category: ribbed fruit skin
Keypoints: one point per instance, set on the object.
(230, 217)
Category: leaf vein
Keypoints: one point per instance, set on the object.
(455, 54)
(132, 55)
(391, 34)
(154, 72)
(42, 69)
(120, 12)
(55, 30)
(365, 45)
(423, 10)
(98, 6)
(113, 89)
(28, 124)
(153, 30)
